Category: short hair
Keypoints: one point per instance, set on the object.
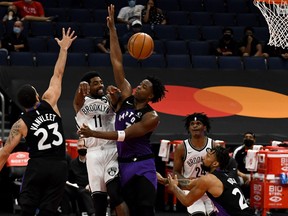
(248, 28)
(227, 29)
(27, 96)
(158, 89)
(199, 117)
(249, 132)
(89, 75)
(222, 156)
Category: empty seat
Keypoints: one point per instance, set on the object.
(42, 29)
(159, 47)
(247, 19)
(84, 45)
(99, 60)
(230, 63)
(146, 28)
(262, 33)
(77, 59)
(3, 57)
(204, 62)
(74, 27)
(211, 32)
(95, 30)
(199, 47)
(49, 4)
(100, 15)
(92, 4)
(22, 59)
(178, 61)
(154, 61)
(79, 15)
(52, 45)
(129, 61)
(218, 6)
(277, 63)
(178, 17)
(37, 44)
(238, 32)
(60, 12)
(165, 32)
(254, 63)
(238, 6)
(201, 18)
(176, 47)
(193, 6)
(168, 5)
(46, 59)
(188, 32)
(224, 19)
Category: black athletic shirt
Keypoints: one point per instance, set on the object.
(231, 201)
(45, 137)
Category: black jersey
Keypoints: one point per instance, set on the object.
(232, 201)
(45, 137)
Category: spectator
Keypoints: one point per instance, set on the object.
(153, 15)
(240, 154)
(227, 46)
(136, 27)
(78, 186)
(187, 158)
(130, 13)
(12, 14)
(29, 10)
(250, 46)
(277, 52)
(16, 41)
(103, 44)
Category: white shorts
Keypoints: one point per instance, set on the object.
(204, 204)
(102, 166)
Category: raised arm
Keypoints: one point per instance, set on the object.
(5, 3)
(82, 91)
(53, 92)
(116, 57)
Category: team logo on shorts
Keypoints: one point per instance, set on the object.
(112, 171)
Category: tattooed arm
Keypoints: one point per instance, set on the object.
(17, 131)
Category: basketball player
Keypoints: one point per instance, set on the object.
(93, 108)
(135, 122)
(188, 156)
(41, 126)
(222, 189)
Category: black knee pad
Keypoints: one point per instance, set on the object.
(114, 192)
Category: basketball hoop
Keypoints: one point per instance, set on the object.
(275, 13)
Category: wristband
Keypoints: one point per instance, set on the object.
(121, 135)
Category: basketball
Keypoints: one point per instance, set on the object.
(140, 45)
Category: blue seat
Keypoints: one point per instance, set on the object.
(37, 44)
(94, 30)
(92, 4)
(277, 63)
(224, 19)
(211, 32)
(238, 6)
(129, 61)
(146, 28)
(21, 59)
(46, 59)
(49, 4)
(238, 32)
(178, 61)
(215, 6)
(204, 62)
(176, 47)
(178, 17)
(188, 32)
(100, 15)
(154, 61)
(247, 19)
(77, 59)
(168, 5)
(52, 45)
(84, 45)
(121, 29)
(254, 63)
(230, 63)
(3, 57)
(193, 6)
(199, 47)
(80, 15)
(201, 18)
(165, 32)
(60, 12)
(262, 33)
(74, 27)
(42, 29)
(99, 60)
(159, 47)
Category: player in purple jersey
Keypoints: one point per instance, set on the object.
(41, 126)
(135, 122)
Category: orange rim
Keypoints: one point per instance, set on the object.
(273, 1)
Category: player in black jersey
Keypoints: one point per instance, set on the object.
(41, 126)
(221, 189)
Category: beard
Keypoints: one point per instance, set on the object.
(205, 168)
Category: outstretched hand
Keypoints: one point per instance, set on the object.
(172, 182)
(110, 18)
(67, 39)
(85, 131)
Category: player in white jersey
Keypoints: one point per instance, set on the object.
(188, 157)
(95, 109)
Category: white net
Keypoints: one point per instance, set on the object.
(275, 13)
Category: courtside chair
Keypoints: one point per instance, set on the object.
(176, 47)
(254, 63)
(99, 60)
(277, 63)
(199, 47)
(238, 6)
(37, 44)
(165, 32)
(178, 61)
(192, 6)
(201, 18)
(84, 45)
(3, 57)
(230, 63)
(129, 61)
(81, 15)
(211, 32)
(92, 30)
(154, 61)
(77, 60)
(224, 19)
(61, 13)
(215, 6)
(168, 5)
(247, 19)
(178, 17)
(46, 59)
(188, 32)
(22, 59)
(204, 62)
(42, 29)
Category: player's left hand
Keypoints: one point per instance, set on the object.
(172, 181)
(85, 131)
